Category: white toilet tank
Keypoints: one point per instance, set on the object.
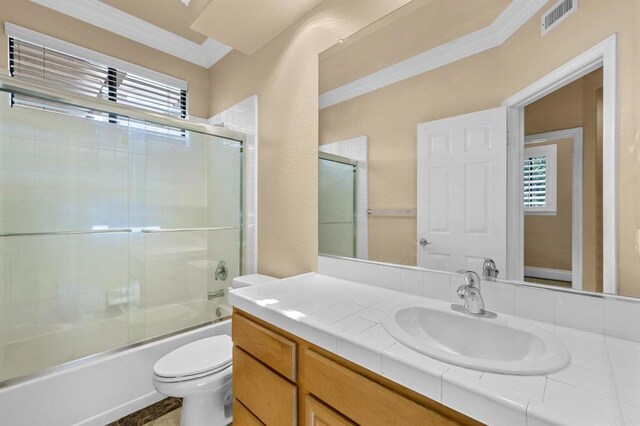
(251, 279)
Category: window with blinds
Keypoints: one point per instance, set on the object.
(539, 178)
(53, 69)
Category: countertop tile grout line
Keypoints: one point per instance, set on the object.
(613, 375)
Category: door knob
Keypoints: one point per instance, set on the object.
(424, 242)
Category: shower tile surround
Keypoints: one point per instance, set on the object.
(243, 117)
(65, 297)
(599, 387)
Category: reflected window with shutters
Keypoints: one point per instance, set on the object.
(540, 177)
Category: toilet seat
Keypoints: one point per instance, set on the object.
(195, 360)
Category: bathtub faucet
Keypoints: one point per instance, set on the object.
(215, 294)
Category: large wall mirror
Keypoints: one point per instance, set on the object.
(453, 132)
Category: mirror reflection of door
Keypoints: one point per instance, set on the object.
(337, 205)
(562, 170)
(462, 195)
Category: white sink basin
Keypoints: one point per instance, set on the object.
(505, 344)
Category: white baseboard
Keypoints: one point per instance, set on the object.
(548, 273)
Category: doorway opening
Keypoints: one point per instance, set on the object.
(563, 186)
(562, 156)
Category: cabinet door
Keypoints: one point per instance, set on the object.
(266, 394)
(243, 417)
(270, 348)
(361, 399)
(319, 414)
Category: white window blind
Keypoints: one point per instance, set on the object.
(57, 70)
(539, 177)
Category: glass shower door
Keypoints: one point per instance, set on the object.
(337, 205)
(186, 201)
(65, 230)
(113, 231)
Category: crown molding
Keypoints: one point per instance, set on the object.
(109, 18)
(500, 30)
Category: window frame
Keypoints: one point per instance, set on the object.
(111, 80)
(13, 31)
(550, 152)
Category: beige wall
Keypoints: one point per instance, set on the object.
(38, 18)
(547, 239)
(429, 26)
(284, 75)
(389, 116)
(575, 105)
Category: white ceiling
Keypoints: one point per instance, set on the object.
(107, 17)
(247, 25)
(202, 33)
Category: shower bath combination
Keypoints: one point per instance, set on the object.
(116, 227)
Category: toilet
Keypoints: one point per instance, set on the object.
(200, 373)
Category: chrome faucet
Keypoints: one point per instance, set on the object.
(470, 293)
(489, 270)
(215, 294)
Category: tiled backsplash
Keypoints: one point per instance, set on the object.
(610, 315)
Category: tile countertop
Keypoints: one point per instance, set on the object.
(601, 386)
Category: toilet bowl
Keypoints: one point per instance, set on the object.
(200, 374)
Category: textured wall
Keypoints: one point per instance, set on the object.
(284, 75)
(44, 20)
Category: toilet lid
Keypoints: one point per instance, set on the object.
(207, 355)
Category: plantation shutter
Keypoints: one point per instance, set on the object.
(535, 181)
(540, 179)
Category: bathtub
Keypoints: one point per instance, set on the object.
(96, 390)
(27, 348)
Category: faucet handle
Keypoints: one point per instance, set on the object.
(463, 291)
(489, 270)
(471, 278)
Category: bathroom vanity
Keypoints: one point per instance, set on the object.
(312, 349)
(280, 378)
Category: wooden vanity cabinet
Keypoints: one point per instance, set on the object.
(318, 414)
(242, 415)
(280, 379)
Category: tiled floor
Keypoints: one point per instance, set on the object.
(169, 419)
(165, 412)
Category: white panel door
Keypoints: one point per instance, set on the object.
(462, 191)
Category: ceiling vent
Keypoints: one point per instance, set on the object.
(558, 13)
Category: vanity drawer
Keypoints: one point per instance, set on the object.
(274, 350)
(267, 395)
(318, 414)
(361, 399)
(243, 417)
